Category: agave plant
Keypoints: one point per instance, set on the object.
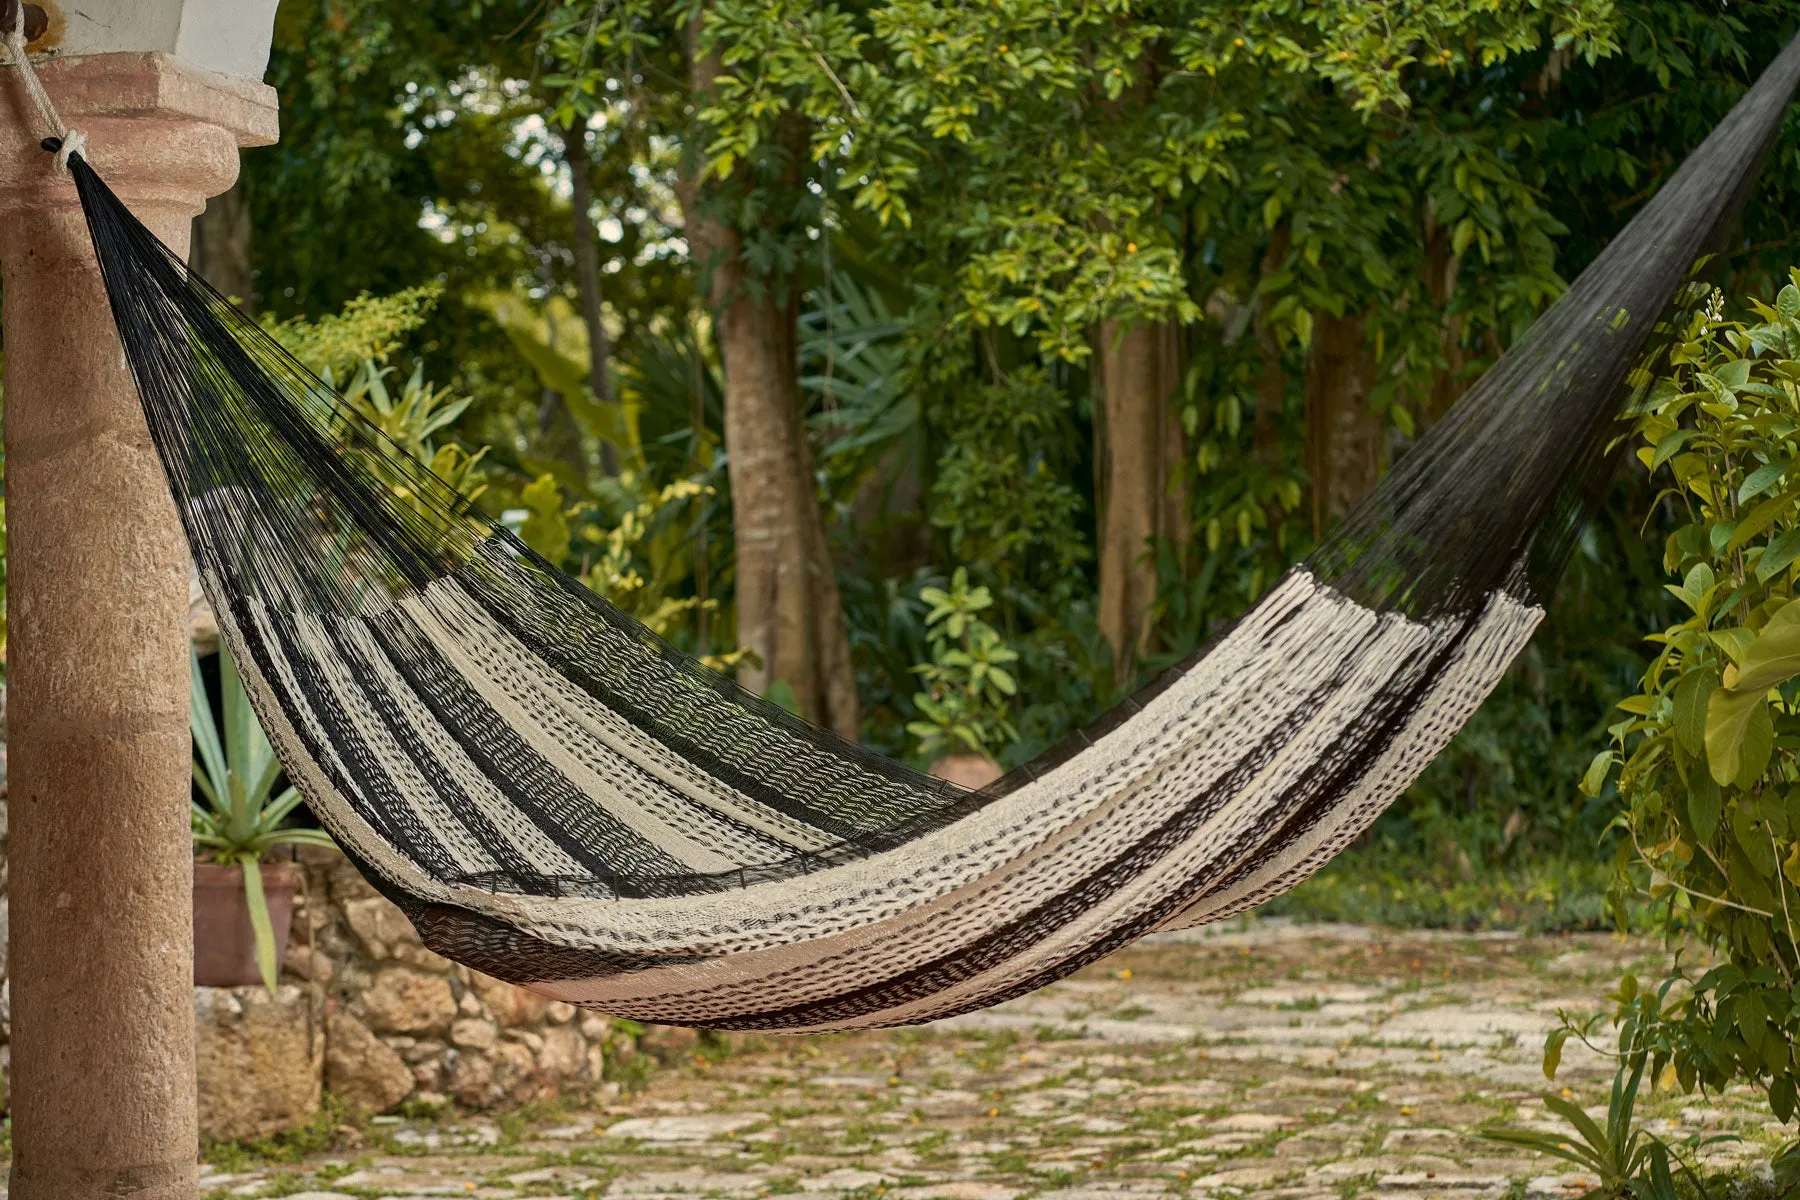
(243, 818)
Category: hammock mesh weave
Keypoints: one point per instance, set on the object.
(557, 797)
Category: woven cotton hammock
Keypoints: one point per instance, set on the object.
(557, 797)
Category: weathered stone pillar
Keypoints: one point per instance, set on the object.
(100, 856)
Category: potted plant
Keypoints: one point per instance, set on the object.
(242, 905)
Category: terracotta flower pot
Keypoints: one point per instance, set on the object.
(224, 943)
(973, 771)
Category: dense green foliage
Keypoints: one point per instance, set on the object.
(968, 682)
(1707, 758)
(955, 198)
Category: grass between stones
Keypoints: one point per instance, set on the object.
(1264, 1058)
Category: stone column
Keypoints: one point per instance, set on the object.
(100, 856)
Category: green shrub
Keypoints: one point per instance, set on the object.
(1706, 757)
(368, 329)
(969, 685)
(1631, 1162)
(1380, 884)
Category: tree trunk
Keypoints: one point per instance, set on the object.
(559, 437)
(1344, 436)
(788, 613)
(1139, 367)
(587, 276)
(888, 516)
(1272, 380)
(1442, 265)
(221, 248)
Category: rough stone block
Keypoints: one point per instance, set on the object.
(405, 1000)
(669, 1043)
(380, 926)
(512, 1006)
(472, 1033)
(471, 1081)
(515, 1072)
(361, 1070)
(257, 1060)
(563, 1054)
(305, 962)
(417, 1050)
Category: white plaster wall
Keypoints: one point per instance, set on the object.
(227, 36)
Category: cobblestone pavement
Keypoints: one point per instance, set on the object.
(1265, 1059)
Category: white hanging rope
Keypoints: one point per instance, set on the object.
(68, 141)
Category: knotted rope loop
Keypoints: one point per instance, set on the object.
(63, 141)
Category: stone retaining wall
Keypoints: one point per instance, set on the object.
(403, 1023)
(366, 1011)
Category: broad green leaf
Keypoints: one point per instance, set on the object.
(1672, 445)
(1728, 718)
(1700, 580)
(1749, 884)
(1772, 658)
(1768, 338)
(1735, 642)
(1553, 1048)
(1703, 805)
(1724, 401)
(1758, 520)
(1781, 1088)
(1760, 479)
(1755, 749)
(1692, 590)
(1691, 697)
(1778, 556)
(1787, 303)
(1595, 779)
(1753, 839)
(1734, 374)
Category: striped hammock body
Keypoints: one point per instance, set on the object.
(558, 798)
(480, 762)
